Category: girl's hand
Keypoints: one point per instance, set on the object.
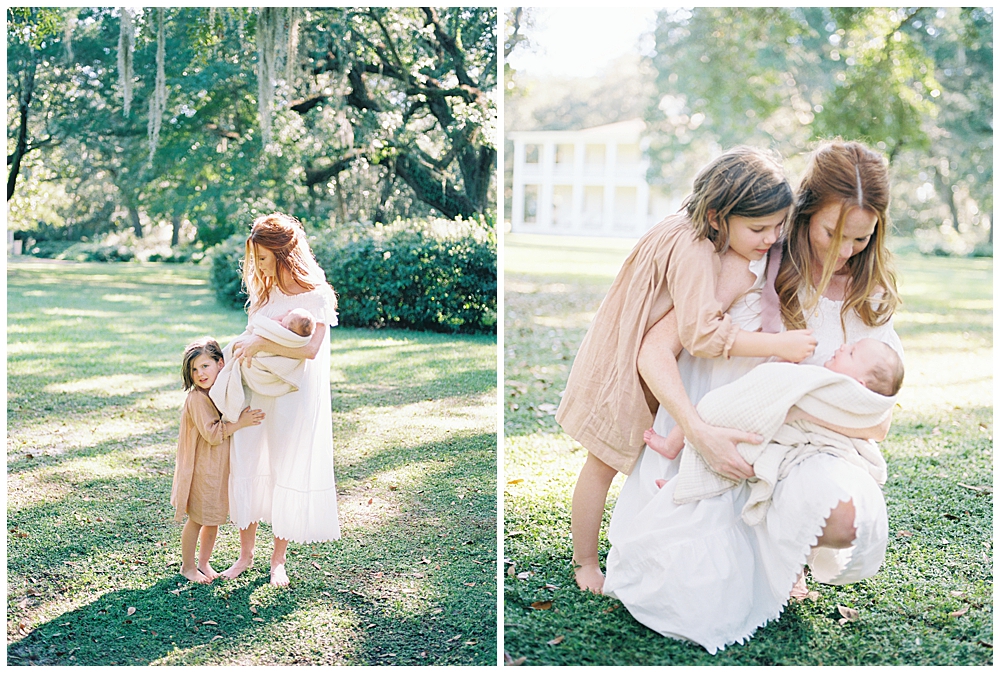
(246, 349)
(249, 417)
(796, 345)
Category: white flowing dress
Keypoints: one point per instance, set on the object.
(281, 471)
(697, 571)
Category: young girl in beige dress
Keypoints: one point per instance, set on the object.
(201, 477)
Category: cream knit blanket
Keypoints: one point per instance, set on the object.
(268, 374)
(759, 402)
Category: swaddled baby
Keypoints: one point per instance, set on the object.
(874, 364)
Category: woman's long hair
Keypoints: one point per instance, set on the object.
(284, 236)
(854, 176)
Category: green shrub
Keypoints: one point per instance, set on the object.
(97, 252)
(434, 275)
(224, 271)
(47, 249)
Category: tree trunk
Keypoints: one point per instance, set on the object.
(387, 182)
(136, 224)
(175, 233)
(27, 89)
(944, 189)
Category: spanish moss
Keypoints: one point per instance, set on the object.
(158, 101)
(126, 50)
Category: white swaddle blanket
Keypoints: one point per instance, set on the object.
(759, 402)
(268, 374)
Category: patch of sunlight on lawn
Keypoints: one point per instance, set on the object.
(82, 313)
(446, 414)
(125, 298)
(937, 380)
(534, 254)
(903, 317)
(116, 384)
(549, 465)
(29, 489)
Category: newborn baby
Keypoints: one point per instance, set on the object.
(873, 364)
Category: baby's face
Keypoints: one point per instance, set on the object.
(857, 359)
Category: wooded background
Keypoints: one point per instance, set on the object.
(914, 83)
(129, 118)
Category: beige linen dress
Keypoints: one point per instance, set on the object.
(606, 406)
(201, 477)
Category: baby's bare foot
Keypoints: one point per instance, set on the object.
(278, 576)
(208, 571)
(194, 575)
(235, 570)
(659, 444)
(590, 578)
(660, 483)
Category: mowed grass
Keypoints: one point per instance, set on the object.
(93, 553)
(931, 604)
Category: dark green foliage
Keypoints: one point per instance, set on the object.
(224, 271)
(436, 275)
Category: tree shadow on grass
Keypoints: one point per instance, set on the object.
(168, 615)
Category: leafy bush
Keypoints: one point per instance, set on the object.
(435, 275)
(47, 249)
(97, 252)
(224, 271)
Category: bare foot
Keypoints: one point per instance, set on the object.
(800, 591)
(235, 570)
(208, 571)
(194, 575)
(660, 483)
(279, 577)
(590, 578)
(662, 445)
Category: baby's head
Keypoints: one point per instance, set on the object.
(299, 321)
(874, 364)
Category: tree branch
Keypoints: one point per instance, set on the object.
(450, 45)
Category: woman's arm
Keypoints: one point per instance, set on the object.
(246, 349)
(657, 364)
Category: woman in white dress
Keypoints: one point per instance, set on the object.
(697, 571)
(282, 470)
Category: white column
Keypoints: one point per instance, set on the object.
(517, 188)
(545, 189)
(610, 166)
(576, 222)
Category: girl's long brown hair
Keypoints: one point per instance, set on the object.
(284, 236)
(854, 176)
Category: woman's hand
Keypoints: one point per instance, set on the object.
(796, 345)
(246, 349)
(718, 447)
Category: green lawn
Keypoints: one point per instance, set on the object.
(93, 403)
(931, 604)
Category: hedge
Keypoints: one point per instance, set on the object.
(435, 275)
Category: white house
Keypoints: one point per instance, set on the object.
(588, 182)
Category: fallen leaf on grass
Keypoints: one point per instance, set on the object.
(316, 566)
(959, 613)
(507, 661)
(130, 611)
(515, 481)
(556, 640)
(515, 533)
(22, 628)
(424, 560)
(541, 605)
(209, 622)
(524, 575)
(848, 614)
(370, 500)
(258, 619)
(975, 488)
(34, 592)
(469, 584)
(393, 488)
(956, 594)
(453, 639)
(510, 571)
(613, 607)
(553, 587)
(904, 533)
(216, 637)
(253, 609)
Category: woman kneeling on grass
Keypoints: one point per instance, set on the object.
(701, 570)
(282, 471)
(201, 476)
